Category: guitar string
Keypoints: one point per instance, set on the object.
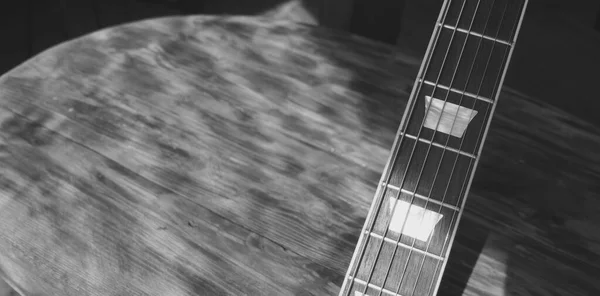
(441, 160)
(468, 80)
(395, 201)
(504, 62)
(387, 175)
(452, 80)
(394, 155)
(479, 137)
(412, 154)
(463, 138)
(412, 247)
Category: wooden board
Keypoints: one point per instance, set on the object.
(232, 156)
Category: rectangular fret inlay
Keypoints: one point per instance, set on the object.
(447, 118)
(418, 223)
(427, 239)
(467, 113)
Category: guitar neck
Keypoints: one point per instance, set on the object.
(408, 233)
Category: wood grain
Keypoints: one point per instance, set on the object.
(238, 156)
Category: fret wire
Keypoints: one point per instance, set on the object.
(461, 92)
(409, 111)
(439, 203)
(433, 137)
(497, 89)
(384, 290)
(401, 244)
(462, 139)
(469, 169)
(469, 155)
(394, 203)
(475, 34)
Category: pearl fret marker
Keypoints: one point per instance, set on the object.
(450, 114)
(420, 221)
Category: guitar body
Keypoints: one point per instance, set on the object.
(239, 156)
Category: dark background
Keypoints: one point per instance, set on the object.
(557, 57)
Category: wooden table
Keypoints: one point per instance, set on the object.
(238, 156)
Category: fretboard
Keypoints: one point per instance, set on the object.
(408, 233)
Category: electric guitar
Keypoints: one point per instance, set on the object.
(406, 239)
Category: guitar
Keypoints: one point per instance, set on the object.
(407, 237)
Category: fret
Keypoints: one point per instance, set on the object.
(372, 286)
(403, 245)
(449, 206)
(431, 171)
(461, 61)
(440, 146)
(476, 34)
(486, 17)
(400, 271)
(457, 91)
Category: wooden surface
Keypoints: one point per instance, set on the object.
(238, 156)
